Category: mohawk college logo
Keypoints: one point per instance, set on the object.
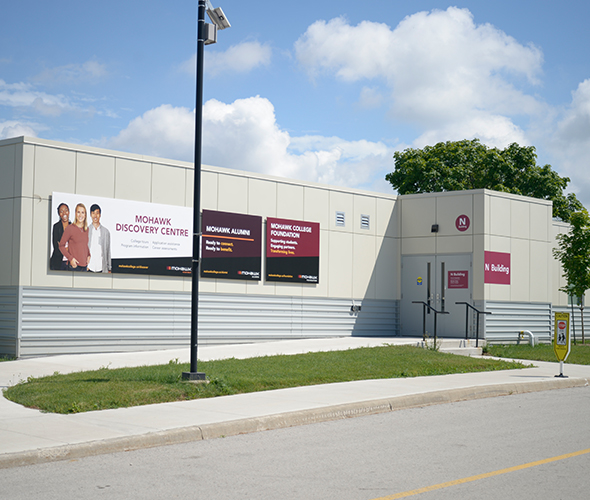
(254, 274)
(177, 268)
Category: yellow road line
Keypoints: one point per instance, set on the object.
(483, 476)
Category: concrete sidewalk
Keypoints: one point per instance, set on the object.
(29, 436)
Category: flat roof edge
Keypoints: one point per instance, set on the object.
(35, 141)
(485, 192)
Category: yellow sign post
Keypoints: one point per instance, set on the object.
(561, 339)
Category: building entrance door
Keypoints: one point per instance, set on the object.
(440, 281)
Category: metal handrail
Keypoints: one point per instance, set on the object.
(436, 313)
(467, 321)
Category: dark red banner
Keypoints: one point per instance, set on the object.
(497, 268)
(292, 251)
(231, 246)
(458, 279)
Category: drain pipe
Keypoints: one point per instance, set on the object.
(530, 334)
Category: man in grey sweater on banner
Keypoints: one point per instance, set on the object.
(99, 243)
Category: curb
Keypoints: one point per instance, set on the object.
(279, 421)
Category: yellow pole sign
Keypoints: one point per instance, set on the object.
(561, 339)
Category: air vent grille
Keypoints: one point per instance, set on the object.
(365, 222)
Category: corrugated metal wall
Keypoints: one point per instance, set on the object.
(73, 321)
(509, 318)
(9, 297)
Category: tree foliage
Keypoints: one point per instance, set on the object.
(574, 255)
(468, 164)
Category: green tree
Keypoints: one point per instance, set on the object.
(574, 255)
(468, 164)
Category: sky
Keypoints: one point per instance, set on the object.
(322, 91)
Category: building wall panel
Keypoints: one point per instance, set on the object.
(340, 265)
(233, 194)
(133, 180)
(55, 170)
(387, 215)
(95, 174)
(364, 256)
(417, 216)
(289, 201)
(167, 185)
(449, 206)
(9, 170)
(262, 198)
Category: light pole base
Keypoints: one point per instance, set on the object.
(196, 377)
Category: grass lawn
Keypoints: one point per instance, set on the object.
(579, 353)
(115, 388)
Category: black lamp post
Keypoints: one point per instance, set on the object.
(206, 33)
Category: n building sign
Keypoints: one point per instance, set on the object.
(462, 223)
(497, 268)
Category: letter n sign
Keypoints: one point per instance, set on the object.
(462, 223)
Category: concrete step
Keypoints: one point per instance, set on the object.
(463, 347)
(464, 351)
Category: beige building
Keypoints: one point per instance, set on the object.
(379, 255)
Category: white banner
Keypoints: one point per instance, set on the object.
(145, 238)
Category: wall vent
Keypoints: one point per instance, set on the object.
(365, 221)
(340, 219)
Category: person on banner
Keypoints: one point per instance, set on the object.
(74, 242)
(57, 261)
(99, 243)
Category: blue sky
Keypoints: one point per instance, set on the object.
(321, 91)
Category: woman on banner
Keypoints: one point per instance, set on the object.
(58, 262)
(74, 243)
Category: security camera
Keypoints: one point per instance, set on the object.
(218, 18)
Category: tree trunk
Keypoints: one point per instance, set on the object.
(582, 315)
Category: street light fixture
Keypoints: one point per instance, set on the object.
(206, 34)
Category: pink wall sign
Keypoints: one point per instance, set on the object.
(462, 223)
(497, 268)
(458, 279)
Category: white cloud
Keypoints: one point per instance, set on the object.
(443, 72)
(240, 58)
(335, 46)
(25, 95)
(571, 142)
(88, 72)
(493, 130)
(574, 128)
(244, 135)
(9, 129)
(370, 98)
(165, 131)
